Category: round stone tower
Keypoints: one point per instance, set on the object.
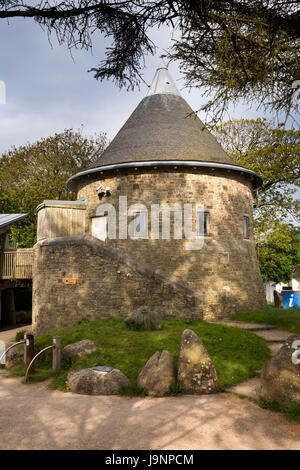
(161, 162)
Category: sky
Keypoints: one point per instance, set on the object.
(48, 91)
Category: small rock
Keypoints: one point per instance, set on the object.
(14, 357)
(145, 316)
(76, 350)
(196, 372)
(158, 374)
(96, 382)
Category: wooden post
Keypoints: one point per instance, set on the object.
(29, 353)
(56, 354)
(25, 337)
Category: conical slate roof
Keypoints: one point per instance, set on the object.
(163, 127)
(163, 131)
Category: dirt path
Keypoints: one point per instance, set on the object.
(33, 417)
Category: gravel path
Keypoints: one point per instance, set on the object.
(33, 417)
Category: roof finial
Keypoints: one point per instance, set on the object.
(162, 82)
(162, 64)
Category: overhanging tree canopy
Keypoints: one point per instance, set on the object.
(274, 153)
(234, 48)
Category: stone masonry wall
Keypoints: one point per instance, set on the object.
(109, 282)
(225, 271)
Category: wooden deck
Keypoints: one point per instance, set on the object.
(16, 264)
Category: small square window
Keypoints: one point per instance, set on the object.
(140, 228)
(202, 223)
(246, 227)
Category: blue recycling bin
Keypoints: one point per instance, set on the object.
(290, 299)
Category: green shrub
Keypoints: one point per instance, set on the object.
(20, 335)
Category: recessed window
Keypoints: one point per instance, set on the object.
(246, 227)
(140, 227)
(202, 223)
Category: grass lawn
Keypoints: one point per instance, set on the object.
(292, 412)
(288, 319)
(236, 353)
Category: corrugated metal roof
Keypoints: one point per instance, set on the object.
(9, 219)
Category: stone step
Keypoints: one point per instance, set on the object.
(245, 325)
(250, 388)
(275, 336)
(275, 339)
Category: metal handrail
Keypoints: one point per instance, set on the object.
(10, 347)
(32, 361)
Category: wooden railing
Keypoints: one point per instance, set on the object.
(16, 264)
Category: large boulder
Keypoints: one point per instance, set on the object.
(278, 299)
(97, 381)
(145, 317)
(74, 351)
(280, 377)
(14, 357)
(196, 372)
(158, 374)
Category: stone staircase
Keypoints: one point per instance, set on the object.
(275, 339)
